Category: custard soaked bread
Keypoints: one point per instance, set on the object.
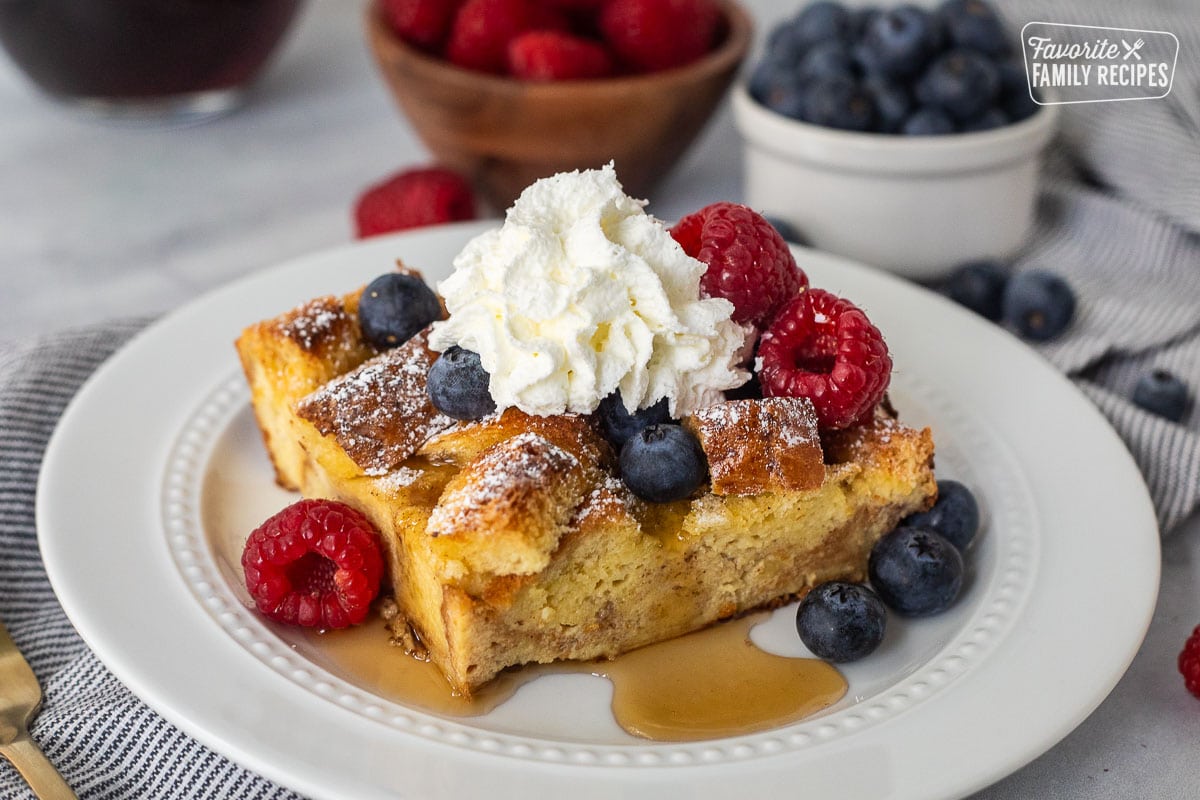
(548, 452)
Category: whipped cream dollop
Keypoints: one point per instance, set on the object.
(581, 293)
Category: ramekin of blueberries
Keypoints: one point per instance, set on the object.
(903, 136)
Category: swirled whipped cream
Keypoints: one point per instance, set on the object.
(581, 293)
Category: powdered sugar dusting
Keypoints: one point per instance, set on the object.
(608, 499)
(512, 467)
(380, 413)
(760, 445)
(315, 321)
(791, 420)
(398, 478)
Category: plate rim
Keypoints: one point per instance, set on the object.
(56, 552)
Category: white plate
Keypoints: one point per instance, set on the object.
(156, 472)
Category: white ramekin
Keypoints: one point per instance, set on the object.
(915, 205)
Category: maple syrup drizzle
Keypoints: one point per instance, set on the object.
(706, 685)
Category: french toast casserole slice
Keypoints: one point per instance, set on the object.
(511, 540)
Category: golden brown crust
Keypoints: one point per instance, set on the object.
(286, 357)
(380, 413)
(463, 442)
(756, 446)
(504, 513)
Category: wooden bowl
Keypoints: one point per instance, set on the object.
(504, 134)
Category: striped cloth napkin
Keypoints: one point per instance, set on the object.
(105, 741)
(1119, 217)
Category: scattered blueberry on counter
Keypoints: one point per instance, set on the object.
(1163, 393)
(901, 70)
(978, 285)
(1038, 304)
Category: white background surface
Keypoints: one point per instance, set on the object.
(98, 221)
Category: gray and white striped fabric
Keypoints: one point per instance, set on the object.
(105, 741)
(1120, 217)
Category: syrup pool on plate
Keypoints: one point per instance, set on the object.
(706, 685)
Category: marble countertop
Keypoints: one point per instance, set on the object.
(99, 221)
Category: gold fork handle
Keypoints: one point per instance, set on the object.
(36, 769)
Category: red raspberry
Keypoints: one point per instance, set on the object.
(554, 56)
(483, 28)
(650, 35)
(749, 263)
(824, 348)
(1189, 662)
(412, 198)
(575, 5)
(424, 23)
(316, 563)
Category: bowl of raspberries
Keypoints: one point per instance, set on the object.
(903, 136)
(509, 91)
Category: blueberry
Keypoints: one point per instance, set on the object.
(458, 385)
(826, 60)
(974, 24)
(955, 515)
(1038, 304)
(787, 230)
(928, 122)
(860, 20)
(786, 45)
(962, 83)
(618, 424)
(898, 42)
(394, 307)
(778, 88)
(823, 21)
(1015, 98)
(1161, 393)
(663, 462)
(978, 285)
(892, 103)
(838, 102)
(841, 621)
(989, 120)
(915, 571)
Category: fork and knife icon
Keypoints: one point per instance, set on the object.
(1132, 49)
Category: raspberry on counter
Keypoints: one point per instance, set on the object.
(413, 198)
(1189, 663)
